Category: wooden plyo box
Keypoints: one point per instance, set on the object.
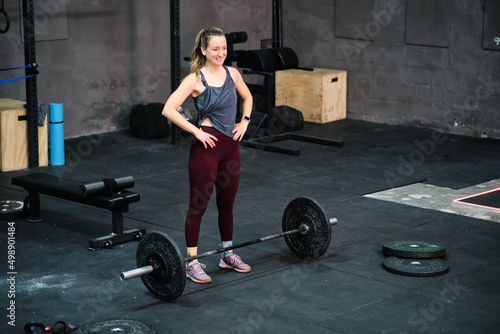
(14, 137)
(320, 94)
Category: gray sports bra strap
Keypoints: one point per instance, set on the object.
(203, 80)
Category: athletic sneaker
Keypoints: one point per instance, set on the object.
(196, 273)
(233, 261)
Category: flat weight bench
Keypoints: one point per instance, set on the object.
(73, 190)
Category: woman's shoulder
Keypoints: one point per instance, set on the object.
(235, 74)
(192, 79)
(231, 69)
(191, 84)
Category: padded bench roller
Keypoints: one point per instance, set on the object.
(108, 194)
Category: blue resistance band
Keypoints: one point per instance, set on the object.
(13, 68)
(15, 79)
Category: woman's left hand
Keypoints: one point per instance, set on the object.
(239, 130)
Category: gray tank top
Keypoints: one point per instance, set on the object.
(218, 104)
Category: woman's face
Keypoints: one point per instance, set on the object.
(216, 50)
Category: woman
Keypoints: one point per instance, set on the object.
(215, 156)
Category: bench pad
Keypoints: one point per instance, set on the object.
(69, 189)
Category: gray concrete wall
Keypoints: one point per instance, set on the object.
(455, 89)
(101, 57)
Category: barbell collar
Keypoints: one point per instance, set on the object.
(304, 228)
(136, 272)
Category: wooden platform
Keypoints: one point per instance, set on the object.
(320, 94)
(14, 137)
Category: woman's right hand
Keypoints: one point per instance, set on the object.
(205, 138)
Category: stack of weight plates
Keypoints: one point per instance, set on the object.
(414, 258)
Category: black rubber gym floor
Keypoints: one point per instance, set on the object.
(347, 290)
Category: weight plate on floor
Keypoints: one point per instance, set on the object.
(413, 249)
(415, 267)
(316, 240)
(10, 209)
(169, 281)
(116, 326)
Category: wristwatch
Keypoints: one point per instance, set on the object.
(246, 118)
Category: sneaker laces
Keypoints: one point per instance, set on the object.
(198, 268)
(235, 259)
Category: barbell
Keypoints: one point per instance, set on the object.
(162, 268)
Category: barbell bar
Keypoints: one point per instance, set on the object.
(126, 275)
(162, 269)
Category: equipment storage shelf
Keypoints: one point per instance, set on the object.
(319, 94)
(14, 137)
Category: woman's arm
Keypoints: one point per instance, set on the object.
(187, 87)
(247, 105)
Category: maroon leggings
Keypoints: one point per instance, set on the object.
(219, 166)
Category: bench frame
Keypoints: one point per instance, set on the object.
(117, 204)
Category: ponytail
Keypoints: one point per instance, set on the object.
(202, 39)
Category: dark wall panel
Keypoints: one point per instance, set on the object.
(491, 27)
(428, 22)
(352, 17)
(51, 21)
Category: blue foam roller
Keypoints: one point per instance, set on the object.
(56, 134)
